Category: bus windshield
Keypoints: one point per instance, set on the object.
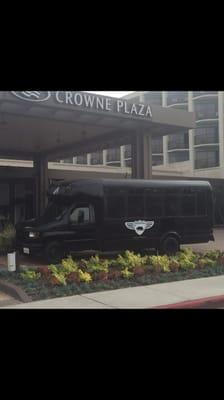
(54, 211)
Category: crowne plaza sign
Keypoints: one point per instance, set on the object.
(103, 103)
(88, 101)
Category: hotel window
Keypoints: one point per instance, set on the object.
(113, 154)
(81, 159)
(153, 98)
(205, 110)
(67, 160)
(178, 141)
(97, 158)
(157, 145)
(206, 135)
(178, 156)
(205, 158)
(157, 160)
(134, 99)
(177, 97)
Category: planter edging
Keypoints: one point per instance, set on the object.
(14, 291)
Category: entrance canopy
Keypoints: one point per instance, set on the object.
(62, 124)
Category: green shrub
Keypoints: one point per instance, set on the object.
(159, 263)
(185, 264)
(174, 264)
(213, 255)
(187, 254)
(220, 260)
(206, 262)
(94, 264)
(84, 276)
(30, 275)
(69, 265)
(126, 274)
(130, 260)
(53, 269)
(187, 259)
(59, 275)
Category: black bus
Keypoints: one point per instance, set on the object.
(109, 215)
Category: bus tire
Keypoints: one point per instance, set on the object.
(170, 245)
(53, 253)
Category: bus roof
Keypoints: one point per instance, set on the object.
(95, 186)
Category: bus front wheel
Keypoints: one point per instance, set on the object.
(53, 253)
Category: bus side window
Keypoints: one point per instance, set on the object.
(201, 203)
(153, 206)
(135, 206)
(189, 205)
(115, 206)
(172, 205)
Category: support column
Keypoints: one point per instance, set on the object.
(221, 129)
(122, 149)
(40, 165)
(141, 156)
(165, 138)
(104, 157)
(191, 134)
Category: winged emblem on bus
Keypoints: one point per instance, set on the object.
(139, 226)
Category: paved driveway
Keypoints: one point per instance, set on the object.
(218, 244)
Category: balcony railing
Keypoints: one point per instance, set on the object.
(206, 139)
(180, 106)
(206, 115)
(201, 93)
(177, 98)
(157, 149)
(180, 145)
(200, 164)
(175, 157)
(114, 164)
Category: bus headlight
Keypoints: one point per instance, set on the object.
(34, 235)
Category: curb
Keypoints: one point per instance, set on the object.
(14, 291)
(206, 301)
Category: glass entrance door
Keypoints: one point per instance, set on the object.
(23, 209)
(4, 204)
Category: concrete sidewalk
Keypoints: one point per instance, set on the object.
(141, 297)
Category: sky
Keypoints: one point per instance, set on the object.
(112, 94)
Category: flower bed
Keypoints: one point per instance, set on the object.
(75, 277)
